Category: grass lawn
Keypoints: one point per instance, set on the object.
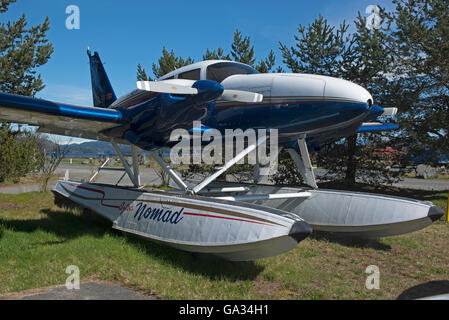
(38, 240)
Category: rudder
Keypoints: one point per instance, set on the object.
(102, 92)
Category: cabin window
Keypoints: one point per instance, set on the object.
(191, 74)
(220, 71)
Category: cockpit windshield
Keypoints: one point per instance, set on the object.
(220, 71)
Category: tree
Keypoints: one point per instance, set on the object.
(420, 45)
(22, 51)
(216, 55)
(142, 74)
(319, 49)
(359, 57)
(169, 62)
(19, 153)
(53, 153)
(242, 51)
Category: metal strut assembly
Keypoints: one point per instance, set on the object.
(133, 173)
(303, 162)
(200, 186)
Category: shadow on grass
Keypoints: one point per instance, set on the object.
(68, 225)
(428, 289)
(65, 224)
(347, 241)
(208, 266)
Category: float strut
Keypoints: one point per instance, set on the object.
(303, 162)
(134, 179)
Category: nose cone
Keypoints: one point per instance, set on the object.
(208, 90)
(339, 88)
(435, 213)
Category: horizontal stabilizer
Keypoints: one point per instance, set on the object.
(390, 111)
(377, 126)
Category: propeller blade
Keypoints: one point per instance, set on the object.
(390, 111)
(165, 87)
(241, 96)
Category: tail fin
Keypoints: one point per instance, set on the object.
(102, 91)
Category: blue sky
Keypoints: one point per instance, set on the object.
(126, 33)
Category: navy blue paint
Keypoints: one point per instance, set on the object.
(59, 109)
(102, 92)
(375, 111)
(381, 127)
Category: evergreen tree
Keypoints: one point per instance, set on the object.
(216, 55)
(359, 57)
(142, 74)
(420, 46)
(319, 49)
(169, 62)
(19, 153)
(243, 51)
(22, 51)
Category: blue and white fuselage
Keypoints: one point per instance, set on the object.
(294, 104)
(320, 107)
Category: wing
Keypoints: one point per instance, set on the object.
(59, 118)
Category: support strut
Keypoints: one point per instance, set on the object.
(303, 162)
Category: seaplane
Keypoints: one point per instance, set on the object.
(234, 221)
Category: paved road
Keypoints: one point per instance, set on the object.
(82, 173)
(149, 177)
(87, 291)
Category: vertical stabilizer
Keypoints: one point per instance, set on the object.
(102, 91)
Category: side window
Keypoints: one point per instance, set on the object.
(191, 74)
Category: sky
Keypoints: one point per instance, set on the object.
(126, 33)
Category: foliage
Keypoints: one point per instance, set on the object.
(53, 154)
(169, 62)
(142, 74)
(241, 51)
(216, 55)
(359, 57)
(319, 49)
(420, 47)
(22, 51)
(287, 173)
(19, 153)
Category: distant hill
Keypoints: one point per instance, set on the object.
(96, 147)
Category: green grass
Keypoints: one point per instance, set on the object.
(38, 240)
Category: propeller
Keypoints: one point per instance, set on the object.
(181, 86)
(165, 87)
(241, 96)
